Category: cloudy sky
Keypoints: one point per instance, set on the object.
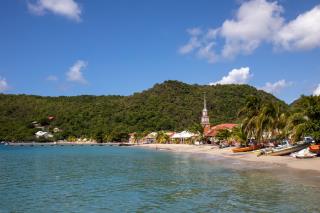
(72, 47)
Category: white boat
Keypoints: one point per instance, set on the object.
(304, 153)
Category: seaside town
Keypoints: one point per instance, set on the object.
(221, 135)
(160, 106)
(228, 136)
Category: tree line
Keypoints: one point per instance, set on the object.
(170, 106)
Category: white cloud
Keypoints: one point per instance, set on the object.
(255, 22)
(190, 46)
(3, 84)
(66, 8)
(317, 91)
(193, 42)
(75, 72)
(194, 31)
(301, 33)
(52, 78)
(206, 52)
(202, 43)
(275, 87)
(235, 76)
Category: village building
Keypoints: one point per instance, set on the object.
(184, 137)
(56, 129)
(132, 137)
(151, 137)
(43, 134)
(209, 131)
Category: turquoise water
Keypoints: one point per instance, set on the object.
(125, 179)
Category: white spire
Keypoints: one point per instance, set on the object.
(205, 117)
(204, 101)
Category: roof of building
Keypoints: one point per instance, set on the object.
(212, 132)
(183, 134)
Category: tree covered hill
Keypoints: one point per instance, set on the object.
(171, 105)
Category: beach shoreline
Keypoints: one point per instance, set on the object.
(208, 150)
(56, 143)
(226, 153)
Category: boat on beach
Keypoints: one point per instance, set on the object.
(246, 149)
(285, 150)
(314, 149)
(304, 153)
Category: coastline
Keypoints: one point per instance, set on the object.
(209, 150)
(287, 161)
(66, 143)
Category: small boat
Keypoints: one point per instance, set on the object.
(304, 153)
(246, 149)
(314, 149)
(125, 144)
(286, 150)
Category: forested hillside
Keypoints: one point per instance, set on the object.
(171, 105)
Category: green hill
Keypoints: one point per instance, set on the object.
(171, 105)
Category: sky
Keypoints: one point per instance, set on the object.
(118, 47)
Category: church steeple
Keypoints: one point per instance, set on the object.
(205, 117)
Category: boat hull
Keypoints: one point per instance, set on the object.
(288, 151)
(314, 149)
(246, 149)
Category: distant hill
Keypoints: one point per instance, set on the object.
(171, 105)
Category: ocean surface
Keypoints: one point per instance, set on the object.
(126, 179)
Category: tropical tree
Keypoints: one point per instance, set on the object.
(251, 112)
(223, 134)
(162, 137)
(297, 126)
(263, 121)
(270, 122)
(305, 120)
(239, 135)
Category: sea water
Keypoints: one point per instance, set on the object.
(126, 179)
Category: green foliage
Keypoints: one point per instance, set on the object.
(171, 105)
(260, 118)
(239, 135)
(302, 119)
(305, 118)
(162, 137)
(223, 134)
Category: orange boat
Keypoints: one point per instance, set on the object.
(246, 149)
(314, 149)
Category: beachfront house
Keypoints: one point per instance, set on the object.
(151, 138)
(43, 134)
(184, 137)
(211, 132)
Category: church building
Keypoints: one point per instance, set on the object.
(211, 131)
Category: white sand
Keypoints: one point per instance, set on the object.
(302, 164)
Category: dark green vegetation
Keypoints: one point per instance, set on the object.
(305, 118)
(300, 120)
(171, 105)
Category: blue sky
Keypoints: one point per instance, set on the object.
(72, 47)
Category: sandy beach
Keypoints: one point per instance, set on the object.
(290, 162)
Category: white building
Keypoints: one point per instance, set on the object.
(43, 134)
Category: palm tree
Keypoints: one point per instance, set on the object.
(162, 137)
(239, 135)
(271, 120)
(305, 121)
(250, 112)
(262, 121)
(297, 125)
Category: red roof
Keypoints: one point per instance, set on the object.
(212, 132)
